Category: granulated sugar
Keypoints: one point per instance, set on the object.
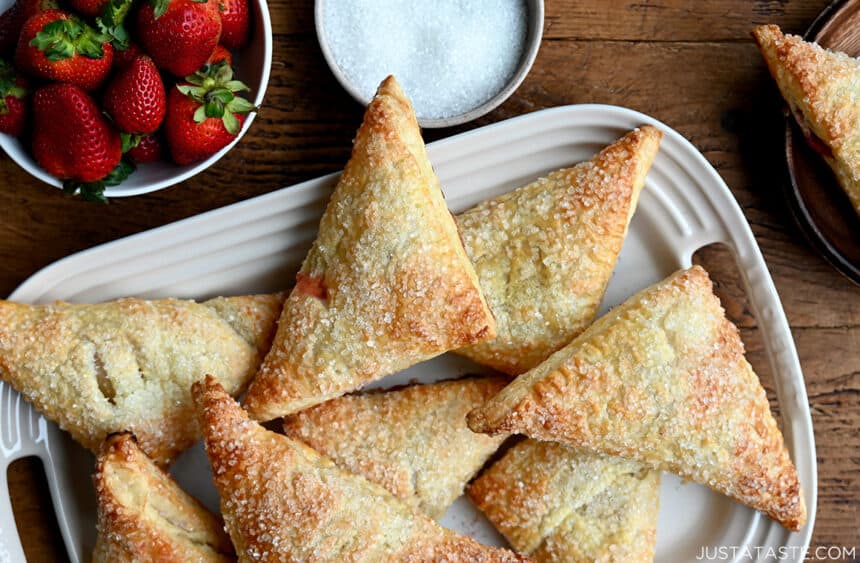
(450, 56)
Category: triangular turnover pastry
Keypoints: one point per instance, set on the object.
(413, 441)
(557, 504)
(545, 252)
(281, 500)
(660, 379)
(128, 365)
(387, 283)
(143, 515)
(822, 89)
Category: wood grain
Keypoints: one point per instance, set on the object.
(689, 63)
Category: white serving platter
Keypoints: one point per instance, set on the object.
(257, 245)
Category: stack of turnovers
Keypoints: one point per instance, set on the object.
(661, 379)
(822, 89)
(545, 254)
(282, 500)
(128, 365)
(387, 283)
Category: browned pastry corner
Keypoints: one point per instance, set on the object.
(387, 283)
(143, 515)
(413, 441)
(560, 505)
(282, 501)
(822, 88)
(661, 379)
(128, 365)
(544, 253)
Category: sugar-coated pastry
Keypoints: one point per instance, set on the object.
(545, 252)
(560, 505)
(128, 365)
(822, 89)
(282, 501)
(413, 440)
(143, 515)
(661, 379)
(387, 283)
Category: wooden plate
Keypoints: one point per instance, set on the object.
(817, 201)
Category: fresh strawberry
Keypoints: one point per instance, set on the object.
(72, 139)
(123, 58)
(146, 150)
(13, 103)
(57, 46)
(179, 35)
(12, 20)
(204, 114)
(135, 97)
(235, 23)
(221, 54)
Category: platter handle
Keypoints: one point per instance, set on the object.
(23, 433)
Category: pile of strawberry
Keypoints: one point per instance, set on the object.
(107, 84)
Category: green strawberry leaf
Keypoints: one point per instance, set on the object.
(223, 72)
(237, 86)
(90, 44)
(214, 108)
(221, 94)
(241, 105)
(159, 7)
(89, 191)
(129, 141)
(200, 114)
(111, 22)
(95, 191)
(231, 123)
(63, 39)
(118, 175)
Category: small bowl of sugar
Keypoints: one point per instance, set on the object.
(456, 59)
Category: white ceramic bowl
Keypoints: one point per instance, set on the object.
(534, 30)
(252, 65)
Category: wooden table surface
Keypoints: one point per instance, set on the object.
(689, 63)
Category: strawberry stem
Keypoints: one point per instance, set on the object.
(111, 22)
(95, 191)
(64, 38)
(214, 88)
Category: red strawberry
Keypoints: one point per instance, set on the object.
(13, 105)
(147, 149)
(57, 46)
(179, 35)
(13, 19)
(72, 139)
(123, 58)
(235, 24)
(135, 98)
(220, 54)
(204, 114)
